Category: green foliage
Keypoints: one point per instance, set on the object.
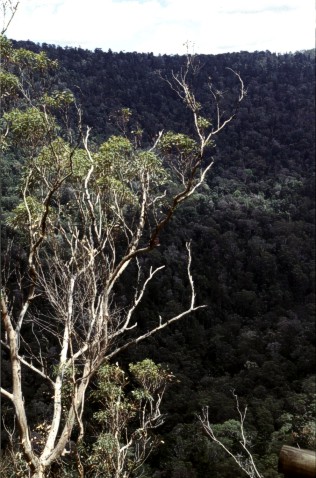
(117, 157)
(58, 159)
(114, 155)
(12, 464)
(120, 169)
(58, 99)
(150, 376)
(29, 127)
(5, 48)
(8, 84)
(26, 59)
(111, 382)
(25, 214)
(178, 143)
(229, 430)
(126, 417)
(203, 123)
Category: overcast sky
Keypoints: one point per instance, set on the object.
(164, 26)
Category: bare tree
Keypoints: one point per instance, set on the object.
(244, 459)
(88, 215)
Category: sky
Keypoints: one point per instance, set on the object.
(166, 26)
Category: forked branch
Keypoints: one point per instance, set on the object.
(163, 324)
(245, 461)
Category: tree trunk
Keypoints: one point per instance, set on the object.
(297, 463)
(39, 473)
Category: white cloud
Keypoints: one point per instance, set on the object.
(163, 26)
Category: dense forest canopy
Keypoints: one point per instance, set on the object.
(251, 228)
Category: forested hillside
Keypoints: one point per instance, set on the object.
(251, 228)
